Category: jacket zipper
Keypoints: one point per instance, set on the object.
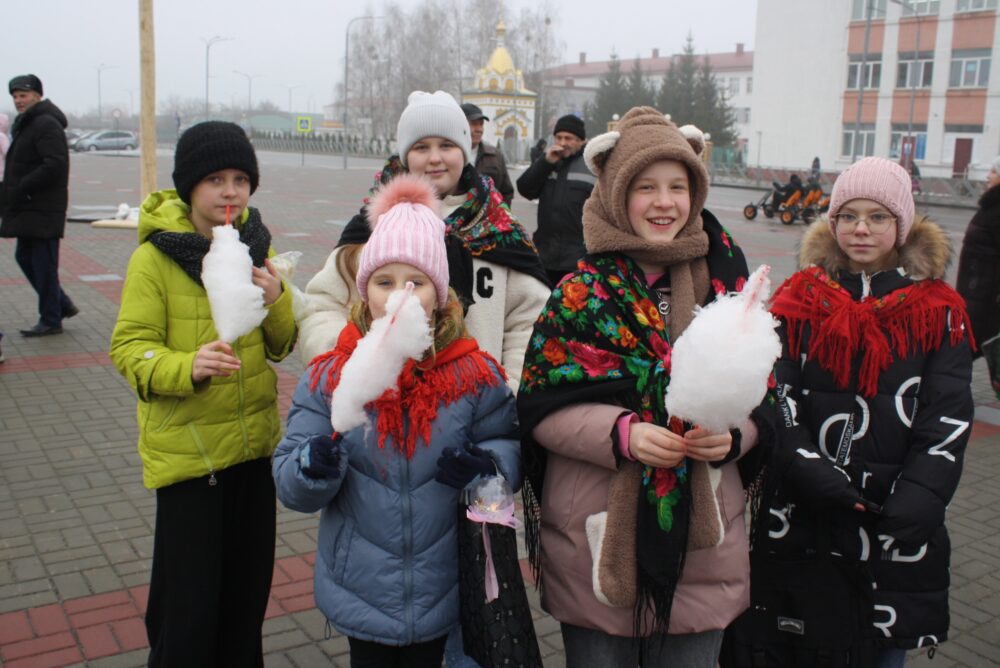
(404, 489)
(204, 454)
(242, 406)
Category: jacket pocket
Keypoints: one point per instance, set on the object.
(341, 551)
(160, 412)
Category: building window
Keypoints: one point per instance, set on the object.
(859, 9)
(742, 114)
(975, 5)
(871, 78)
(734, 85)
(865, 138)
(915, 72)
(749, 84)
(922, 7)
(898, 139)
(969, 69)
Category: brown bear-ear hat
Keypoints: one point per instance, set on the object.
(642, 137)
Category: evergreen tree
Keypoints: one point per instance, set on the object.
(677, 91)
(638, 92)
(713, 111)
(690, 94)
(611, 99)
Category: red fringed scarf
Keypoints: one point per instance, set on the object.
(453, 373)
(879, 328)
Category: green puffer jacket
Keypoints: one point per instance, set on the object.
(189, 430)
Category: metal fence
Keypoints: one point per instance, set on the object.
(932, 190)
(329, 144)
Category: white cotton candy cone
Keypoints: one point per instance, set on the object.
(721, 363)
(374, 367)
(227, 273)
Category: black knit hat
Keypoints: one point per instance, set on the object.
(571, 124)
(25, 82)
(208, 147)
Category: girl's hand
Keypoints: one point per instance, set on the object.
(654, 445)
(705, 446)
(214, 359)
(267, 279)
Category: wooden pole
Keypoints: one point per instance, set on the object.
(147, 98)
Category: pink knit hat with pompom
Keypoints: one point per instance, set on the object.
(406, 228)
(881, 181)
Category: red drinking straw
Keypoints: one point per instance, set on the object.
(227, 215)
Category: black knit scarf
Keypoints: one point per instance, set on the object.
(188, 249)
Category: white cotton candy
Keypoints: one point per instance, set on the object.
(374, 367)
(721, 363)
(227, 273)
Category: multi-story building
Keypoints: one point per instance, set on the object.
(894, 78)
(569, 88)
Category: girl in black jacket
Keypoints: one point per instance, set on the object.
(876, 411)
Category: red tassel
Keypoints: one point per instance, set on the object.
(460, 369)
(906, 320)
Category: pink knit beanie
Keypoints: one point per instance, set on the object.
(881, 181)
(406, 228)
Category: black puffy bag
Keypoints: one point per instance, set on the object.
(803, 613)
(501, 632)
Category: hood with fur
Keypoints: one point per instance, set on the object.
(926, 253)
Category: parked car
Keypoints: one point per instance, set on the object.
(107, 140)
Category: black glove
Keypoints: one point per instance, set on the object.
(457, 467)
(320, 457)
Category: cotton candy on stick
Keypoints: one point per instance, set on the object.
(402, 333)
(721, 363)
(227, 274)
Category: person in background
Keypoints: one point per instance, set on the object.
(979, 261)
(561, 183)
(489, 161)
(4, 146)
(35, 197)
(208, 409)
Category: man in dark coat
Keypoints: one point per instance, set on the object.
(979, 263)
(561, 182)
(488, 160)
(35, 196)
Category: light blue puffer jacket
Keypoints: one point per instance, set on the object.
(387, 562)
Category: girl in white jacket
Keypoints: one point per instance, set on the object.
(493, 264)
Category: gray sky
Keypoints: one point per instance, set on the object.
(296, 43)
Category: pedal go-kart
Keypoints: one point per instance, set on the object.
(790, 202)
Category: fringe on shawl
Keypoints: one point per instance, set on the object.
(904, 321)
(459, 370)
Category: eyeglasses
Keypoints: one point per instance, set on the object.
(877, 223)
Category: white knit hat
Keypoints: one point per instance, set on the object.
(432, 115)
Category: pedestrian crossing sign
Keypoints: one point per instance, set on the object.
(303, 124)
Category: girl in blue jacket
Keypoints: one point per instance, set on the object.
(386, 573)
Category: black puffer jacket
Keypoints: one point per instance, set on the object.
(979, 267)
(36, 175)
(561, 189)
(903, 445)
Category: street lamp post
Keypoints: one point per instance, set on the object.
(861, 79)
(208, 46)
(250, 78)
(909, 148)
(347, 38)
(290, 89)
(100, 68)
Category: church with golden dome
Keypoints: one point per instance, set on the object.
(499, 90)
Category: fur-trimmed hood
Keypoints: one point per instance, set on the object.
(926, 253)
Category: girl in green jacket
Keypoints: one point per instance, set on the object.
(208, 415)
